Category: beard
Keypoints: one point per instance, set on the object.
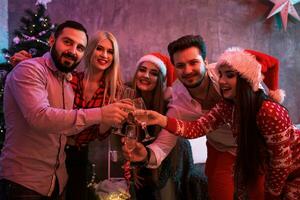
(64, 66)
(199, 81)
(193, 85)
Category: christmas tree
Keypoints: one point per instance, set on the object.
(32, 36)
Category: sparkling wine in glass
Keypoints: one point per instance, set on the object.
(143, 118)
(139, 104)
(129, 94)
(124, 93)
(131, 136)
(130, 141)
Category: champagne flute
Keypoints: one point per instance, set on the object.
(143, 118)
(128, 93)
(131, 136)
(124, 93)
(130, 140)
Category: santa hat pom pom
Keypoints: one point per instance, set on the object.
(277, 95)
(270, 71)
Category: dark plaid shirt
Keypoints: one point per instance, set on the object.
(91, 133)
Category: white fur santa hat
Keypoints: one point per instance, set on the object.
(255, 67)
(163, 63)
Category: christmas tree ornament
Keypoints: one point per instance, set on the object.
(285, 8)
(16, 40)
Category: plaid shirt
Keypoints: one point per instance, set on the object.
(91, 133)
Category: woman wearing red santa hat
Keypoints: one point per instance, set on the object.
(154, 74)
(149, 82)
(268, 142)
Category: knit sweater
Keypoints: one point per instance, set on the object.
(274, 123)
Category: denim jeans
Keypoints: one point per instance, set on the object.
(13, 191)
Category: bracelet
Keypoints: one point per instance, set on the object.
(145, 162)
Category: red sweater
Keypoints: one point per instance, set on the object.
(274, 123)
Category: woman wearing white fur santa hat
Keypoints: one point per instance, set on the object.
(268, 142)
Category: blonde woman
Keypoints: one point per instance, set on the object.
(96, 86)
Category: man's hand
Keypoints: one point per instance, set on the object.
(115, 114)
(18, 57)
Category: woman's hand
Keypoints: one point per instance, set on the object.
(152, 117)
(18, 57)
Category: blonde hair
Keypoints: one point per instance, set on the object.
(112, 74)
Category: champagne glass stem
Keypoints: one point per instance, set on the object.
(148, 137)
(117, 131)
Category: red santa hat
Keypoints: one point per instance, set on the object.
(164, 64)
(255, 67)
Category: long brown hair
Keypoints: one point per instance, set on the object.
(157, 102)
(252, 155)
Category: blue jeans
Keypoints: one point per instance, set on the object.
(13, 191)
